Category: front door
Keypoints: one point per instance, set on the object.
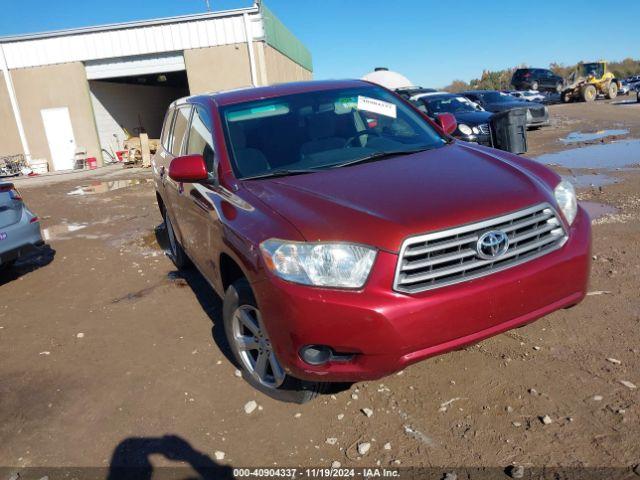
(59, 132)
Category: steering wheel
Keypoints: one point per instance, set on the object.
(350, 140)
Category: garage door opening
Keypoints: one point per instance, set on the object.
(127, 106)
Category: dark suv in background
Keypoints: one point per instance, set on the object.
(539, 79)
(494, 101)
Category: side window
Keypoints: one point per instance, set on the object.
(200, 137)
(166, 128)
(180, 126)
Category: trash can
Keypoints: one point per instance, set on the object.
(509, 130)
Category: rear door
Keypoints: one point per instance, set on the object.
(547, 79)
(174, 190)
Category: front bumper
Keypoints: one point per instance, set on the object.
(387, 330)
(482, 139)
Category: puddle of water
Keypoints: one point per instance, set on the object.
(586, 180)
(576, 137)
(95, 188)
(610, 155)
(597, 210)
(58, 231)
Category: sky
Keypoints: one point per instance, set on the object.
(431, 42)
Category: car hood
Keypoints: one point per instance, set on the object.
(382, 203)
(473, 118)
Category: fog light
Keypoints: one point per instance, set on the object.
(316, 354)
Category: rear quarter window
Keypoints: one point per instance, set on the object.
(180, 129)
(166, 128)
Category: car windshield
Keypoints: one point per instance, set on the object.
(449, 104)
(497, 97)
(324, 129)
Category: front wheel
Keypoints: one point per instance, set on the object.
(612, 91)
(589, 93)
(251, 346)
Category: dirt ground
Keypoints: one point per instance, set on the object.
(109, 357)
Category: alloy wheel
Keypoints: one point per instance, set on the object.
(254, 347)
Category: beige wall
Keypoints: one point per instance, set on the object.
(54, 86)
(9, 136)
(279, 68)
(217, 68)
(226, 67)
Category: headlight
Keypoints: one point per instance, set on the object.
(342, 265)
(465, 129)
(566, 197)
(475, 130)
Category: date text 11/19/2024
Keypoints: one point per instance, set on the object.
(293, 473)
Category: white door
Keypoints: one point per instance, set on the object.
(59, 132)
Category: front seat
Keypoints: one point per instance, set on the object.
(322, 132)
(249, 161)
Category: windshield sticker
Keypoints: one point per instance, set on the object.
(369, 104)
(346, 105)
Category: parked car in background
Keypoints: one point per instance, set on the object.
(494, 101)
(346, 252)
(19, 227)
(624, 88)
(413, 91)
(540, 79)
(528, 96)
(473, 120)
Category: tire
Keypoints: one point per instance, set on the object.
(242, 320)
(612, 91)
(535, 86)
(588, 93)
(176, 252)
(566, 97)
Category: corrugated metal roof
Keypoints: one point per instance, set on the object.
(127, 25)
(136, 39)
(172, 34)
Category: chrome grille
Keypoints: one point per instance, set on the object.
(484, 129)
(443, 258)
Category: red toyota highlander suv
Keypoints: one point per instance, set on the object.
(350, 236)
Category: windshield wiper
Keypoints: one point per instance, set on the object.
(282, 172)
(382, 155)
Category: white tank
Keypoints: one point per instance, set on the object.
(388, 79)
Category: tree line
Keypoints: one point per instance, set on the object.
(501, 79)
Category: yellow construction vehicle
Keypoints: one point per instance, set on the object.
(588, 81)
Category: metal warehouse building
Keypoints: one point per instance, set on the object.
(89, 88)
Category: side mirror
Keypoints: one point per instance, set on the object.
(188, 169)
(447, 122)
